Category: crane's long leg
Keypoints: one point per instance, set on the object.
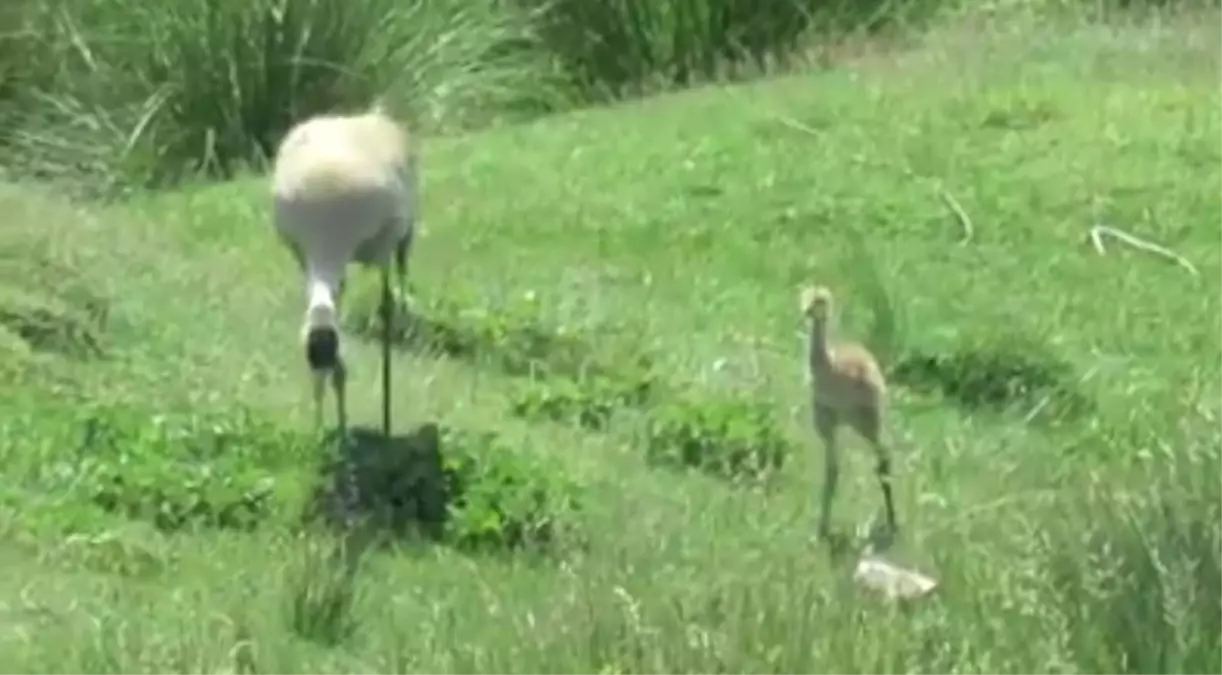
(401, 251)
(339, 382)
(318, 383)
(387, 335)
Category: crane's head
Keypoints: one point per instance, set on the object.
(816, 302)
(320, 334)
(322, 347)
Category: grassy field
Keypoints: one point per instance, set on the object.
(1073, 517)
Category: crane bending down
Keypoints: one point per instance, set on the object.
(345, 190)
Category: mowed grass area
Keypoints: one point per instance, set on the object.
(681, 227)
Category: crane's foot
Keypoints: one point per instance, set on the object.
(836, 543)
(881, 535)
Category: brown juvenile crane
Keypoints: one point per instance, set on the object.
(848, 388)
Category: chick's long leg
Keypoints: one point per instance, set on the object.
(868, 421)
(826, 420)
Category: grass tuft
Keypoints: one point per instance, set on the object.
(154, 95)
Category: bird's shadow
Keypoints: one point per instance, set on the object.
(371, 491)
(387, 489)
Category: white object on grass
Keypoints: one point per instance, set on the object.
(892, 581)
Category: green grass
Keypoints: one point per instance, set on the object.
(1085, 539)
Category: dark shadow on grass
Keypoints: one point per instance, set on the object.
(388, 488)
(372, 490)
(1004, 375)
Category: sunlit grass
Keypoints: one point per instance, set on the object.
(681, 227)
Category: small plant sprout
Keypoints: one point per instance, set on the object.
(345, 190)
(847, 388)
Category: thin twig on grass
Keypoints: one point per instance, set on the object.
(965, 222)
(1098, 232)
(796, 125)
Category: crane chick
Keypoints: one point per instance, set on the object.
(345, 190)
(848, 388)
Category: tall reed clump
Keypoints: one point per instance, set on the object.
(1137, 572)
(152, 93)
(25, 65)
(17, 36)
(612, 48)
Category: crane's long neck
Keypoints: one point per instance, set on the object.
(820, 350)
(322, 291)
